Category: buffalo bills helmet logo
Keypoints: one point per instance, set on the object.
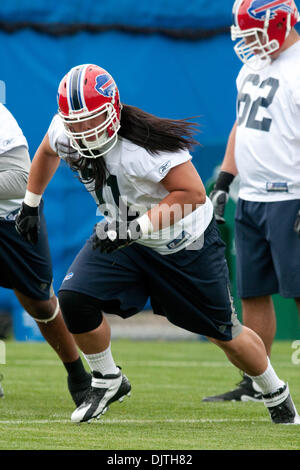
(258, 8)
(105, 85)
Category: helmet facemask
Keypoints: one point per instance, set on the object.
(260, 47)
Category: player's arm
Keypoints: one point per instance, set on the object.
(43, 167)
(220, 193)
(228, 163)
(186, 193)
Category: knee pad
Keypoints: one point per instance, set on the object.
(81, 312)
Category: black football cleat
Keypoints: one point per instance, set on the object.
(244, 392)
(281, 407)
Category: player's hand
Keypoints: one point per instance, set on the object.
(219, 200)
(297, 224)
(112, 236)
(27, 223)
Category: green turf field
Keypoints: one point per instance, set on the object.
(164, 411)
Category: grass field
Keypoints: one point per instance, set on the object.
(164, 411)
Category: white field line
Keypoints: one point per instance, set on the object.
(104, 421)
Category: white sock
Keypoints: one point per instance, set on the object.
(268, 382)
(102, 362)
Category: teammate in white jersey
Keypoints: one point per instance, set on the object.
(264, 149)
(159, 238)
(26, 268)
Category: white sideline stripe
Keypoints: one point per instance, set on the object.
(138, 421)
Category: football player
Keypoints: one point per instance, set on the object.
(159, 237)
(264, 149)
(26, 268)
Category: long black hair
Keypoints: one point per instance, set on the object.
(145, 130)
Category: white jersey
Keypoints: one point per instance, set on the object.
(11, 135)
(134, 185)
(14, 164)
(267, 145)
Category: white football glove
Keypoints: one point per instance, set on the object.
(219, 200)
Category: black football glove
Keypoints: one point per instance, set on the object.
(220, 194)
(112, 236)
(27, 223)
(297, 224)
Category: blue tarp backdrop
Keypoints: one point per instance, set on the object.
(169, 77)
(173, 14)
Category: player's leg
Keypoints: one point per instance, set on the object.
(51, 324)
(27, 269)
(259, 315)
(284, 255)
(91, 331)
(247, 352)
(49, 319)
(95, 283)
(256, 280)
(208, 310)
